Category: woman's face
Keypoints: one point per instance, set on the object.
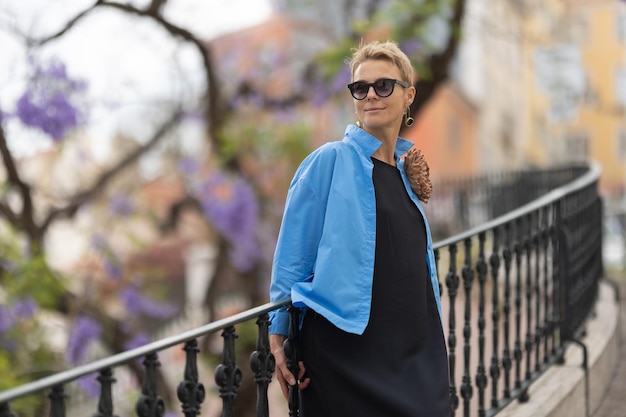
(381, 113)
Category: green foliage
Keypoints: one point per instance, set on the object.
(410, 23)
(267, 139)
(25, 354)
(24, 357)
(332, 60)
(32, 277)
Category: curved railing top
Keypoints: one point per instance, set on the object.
(592, 175)
(545, 334)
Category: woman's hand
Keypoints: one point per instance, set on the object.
(283, 375)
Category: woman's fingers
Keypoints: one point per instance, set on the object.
(303, 382)
(284, 377)
(284, 386)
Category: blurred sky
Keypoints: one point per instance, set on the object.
(115, 52)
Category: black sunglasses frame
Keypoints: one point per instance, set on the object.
(352, 86)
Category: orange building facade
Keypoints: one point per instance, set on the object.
(446, 133)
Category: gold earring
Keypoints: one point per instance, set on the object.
(359, 124)
(408, 121)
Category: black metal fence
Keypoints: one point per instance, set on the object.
(515, 291)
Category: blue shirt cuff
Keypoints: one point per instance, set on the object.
(280, 322)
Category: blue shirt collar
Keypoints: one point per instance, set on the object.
(369, 143)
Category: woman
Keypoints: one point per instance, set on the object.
(355, 253)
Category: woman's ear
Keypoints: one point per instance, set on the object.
(411, 95)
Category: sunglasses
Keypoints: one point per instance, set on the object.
(383, 87)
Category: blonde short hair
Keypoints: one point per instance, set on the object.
(386, 51)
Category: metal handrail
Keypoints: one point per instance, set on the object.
(592, 175)
(127, 356)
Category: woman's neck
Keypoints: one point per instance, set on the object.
(386, 153)
(388, 137)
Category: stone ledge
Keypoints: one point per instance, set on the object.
(561, 390)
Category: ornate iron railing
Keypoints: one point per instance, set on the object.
(523, 284)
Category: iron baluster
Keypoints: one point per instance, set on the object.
(190, 391)
(537, 288)
(452, 282)
(57, 401)
(228, 376)
(149, 403)
(468, 276)
(262, 364)
(437, 256)
(554, 241)
(506, 354)
(105, 402)
(546, 297)
(481, 374)
(494, 369)
(5, 410)
(528, 345)
(517, 350)
(292, 354)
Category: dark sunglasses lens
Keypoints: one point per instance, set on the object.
(384, 87)
(359, 90)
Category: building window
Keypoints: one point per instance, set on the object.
(578, 30)
(621, 27)
(620, 86)
(621, 145)
(506, 135)
(577, 146)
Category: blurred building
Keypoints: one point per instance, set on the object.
(474, 123)
(548, 83)
(446, 132)
(575, 58)
(598, 28)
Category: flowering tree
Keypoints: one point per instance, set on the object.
(232, 183)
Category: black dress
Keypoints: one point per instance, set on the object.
(398, 367)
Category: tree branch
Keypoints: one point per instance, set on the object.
(216, 108)
(68, 26)
(25, 219)
(81, 198)
(439, 63)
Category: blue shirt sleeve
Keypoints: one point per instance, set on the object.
(298, 239)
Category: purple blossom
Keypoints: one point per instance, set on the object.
(89, 384)
(320, 94)
(24, 308)
(157, 309)
(341, 79)
(6, 319)
(86, 330)
(286, 115)
(188, 166)
(231, 206)
(130, 297)
(138, 304)
(50, 102)
(411, 47)
(140, 339)
(7, 265)
(256, 99)
(98, 241)
(113, 269)
(121, 206)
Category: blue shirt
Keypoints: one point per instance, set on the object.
(324, 256)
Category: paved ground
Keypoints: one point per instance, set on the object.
(614, 404)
